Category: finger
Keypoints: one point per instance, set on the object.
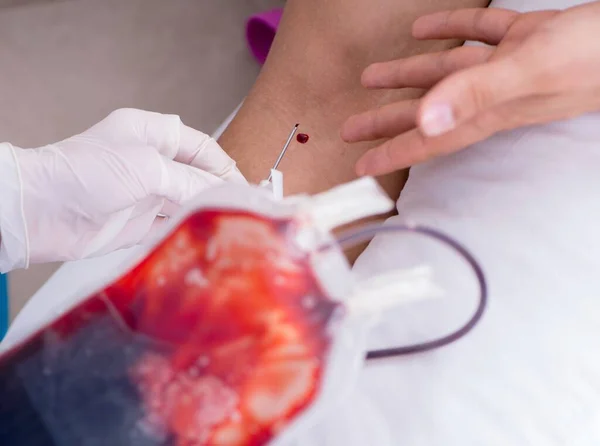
(423, 71)
(488, 25)
(412, 147)
(179, 182)
(130, 126)
(392, 155)
(385, 122)
(174, 140)
(205, 153)
(466, 93)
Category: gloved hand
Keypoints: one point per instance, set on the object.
(102, 190)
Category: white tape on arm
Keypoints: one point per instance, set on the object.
(275, 185)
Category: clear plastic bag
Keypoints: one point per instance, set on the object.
(241, 326)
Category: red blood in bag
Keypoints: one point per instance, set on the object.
(221, 331)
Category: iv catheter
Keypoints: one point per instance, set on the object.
(275, 180)
(282, 153)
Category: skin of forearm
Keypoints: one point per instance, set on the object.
(312, 77)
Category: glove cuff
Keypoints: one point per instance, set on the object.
(14, 241)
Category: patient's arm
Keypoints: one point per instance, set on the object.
(312, 76)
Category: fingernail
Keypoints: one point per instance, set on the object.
(437, 119)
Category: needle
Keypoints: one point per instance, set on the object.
(285, 147)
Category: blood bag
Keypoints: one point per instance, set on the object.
(240, 326)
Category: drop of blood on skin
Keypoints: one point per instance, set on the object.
(302, 138)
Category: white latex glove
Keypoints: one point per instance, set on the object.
(102, 190)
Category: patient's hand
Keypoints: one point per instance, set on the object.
(543, 67)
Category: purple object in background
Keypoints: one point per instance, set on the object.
(260, 32)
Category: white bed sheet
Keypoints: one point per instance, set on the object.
(525, 203)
